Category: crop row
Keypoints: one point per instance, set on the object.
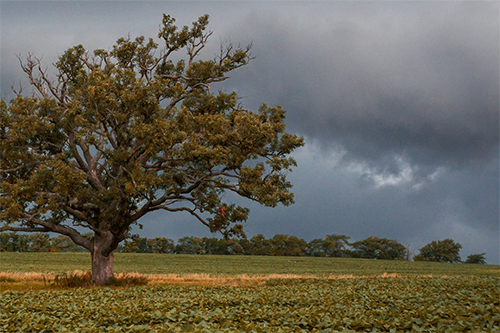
(356, 304)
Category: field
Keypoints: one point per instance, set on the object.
(250, 294)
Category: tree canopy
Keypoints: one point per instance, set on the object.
(119, 133)
(477, 258)
(379, 248)
(446, 250)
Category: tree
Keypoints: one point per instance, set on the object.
(233, 247)
(409, 253)
(331, 246)
(285, 245)
(63, 243)
(162, 245)
(379, 248)
(39, 243)
(137, 244)
(118, 134)
(316, 248)
(213, 246)
(260, 246)
(13, 242)
(335, 245)
(441, 251)
(190, 245)
(476, 259)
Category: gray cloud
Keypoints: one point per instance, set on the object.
(420, 80)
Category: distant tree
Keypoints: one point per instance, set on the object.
(162, 245)
(260, 246)
(14, 242)
(233, 247)
(6, 242)
(331, 246)
(212, 245)
(63, 243)
(336, 245)
(246, 246)
(476, 259)
(378, 248)
(137, 244)
(285, 245)
(409, 253)
(39, 242)
(440, 251)
(190, 245)
(316, 248)
(119, 133)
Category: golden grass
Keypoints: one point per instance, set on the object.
(29, 280)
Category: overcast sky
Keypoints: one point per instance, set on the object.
(398, 102)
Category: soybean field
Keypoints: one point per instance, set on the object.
(249, 294)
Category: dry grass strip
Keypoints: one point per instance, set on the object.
(189, 279)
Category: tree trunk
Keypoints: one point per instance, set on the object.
(102, 266)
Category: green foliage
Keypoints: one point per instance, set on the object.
(190, 245)
(13, 242)
(37, 242)
(284, 245)
(144, 245)
(331, 246)
(410, 304)
(259, 245)
(379, 248)
(440, 251)
(476, 259)
(280, 245)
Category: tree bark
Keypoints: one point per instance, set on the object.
(102, 266)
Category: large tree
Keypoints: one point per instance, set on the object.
(115, 134)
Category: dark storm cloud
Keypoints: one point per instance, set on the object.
(387, 78)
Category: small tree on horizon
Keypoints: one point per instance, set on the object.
(446, 250)
(121, 133)
(477, 258)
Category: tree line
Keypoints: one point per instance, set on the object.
(280, 245)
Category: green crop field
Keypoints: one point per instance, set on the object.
(334, 295)
(146, 263)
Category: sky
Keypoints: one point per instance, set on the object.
(398, 103)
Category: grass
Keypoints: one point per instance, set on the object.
(40, 271)
(60, 262)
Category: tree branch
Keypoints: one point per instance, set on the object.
(26, 229)
(185, 209)
(78, 157)
(22, 166)
(60, 229)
